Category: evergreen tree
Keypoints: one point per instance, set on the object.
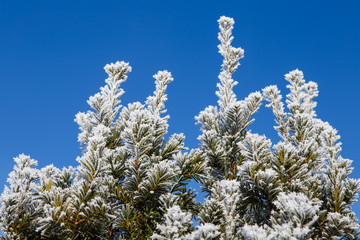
(132, 181)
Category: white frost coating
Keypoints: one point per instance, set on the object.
(17, 201)
(100, 134)
(230, 63)
(254, 232)
(207, 118)
(226, 194)
(300, 98)
(156, 102)
(166, 169)
(48, 174)
(117, 70)
(297, 204)
(207, 231)
(255, 147)
(330, 145)
(176, 224)
(106, 103)
(23, 174)
(85, 125)
(93, 160)
(288, 232)
(273, 96)
(295, 215)
(167, 165)
(335, 219)
(245, 169)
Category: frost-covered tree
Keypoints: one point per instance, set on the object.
(126, 166)
(19, 209)
(132, 179)
(298, 188)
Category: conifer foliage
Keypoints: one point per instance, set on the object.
(132, 180)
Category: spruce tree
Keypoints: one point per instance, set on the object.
(132, 179)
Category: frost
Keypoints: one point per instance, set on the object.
(132, 181)
(156, 102)
(176, 224)
(206, 231)
(253, 232)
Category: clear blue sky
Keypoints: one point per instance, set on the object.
(52, 55)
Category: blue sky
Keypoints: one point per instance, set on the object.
(52, 55)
